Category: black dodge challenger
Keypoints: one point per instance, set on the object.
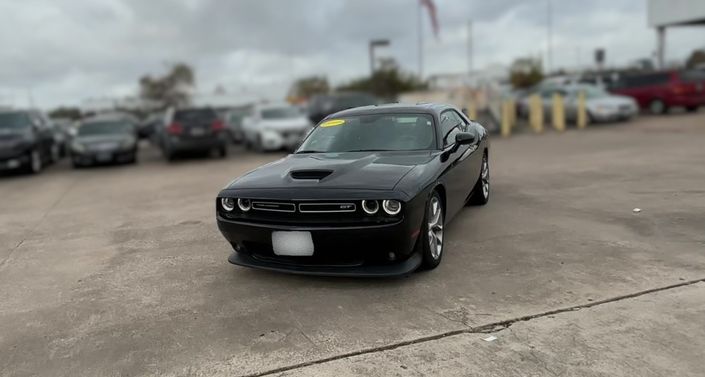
(367, 193)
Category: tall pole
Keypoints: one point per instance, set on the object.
(420, 32)
(549, 27)
(470, 47)
(372, 60)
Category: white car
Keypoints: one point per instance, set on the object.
(275, 127)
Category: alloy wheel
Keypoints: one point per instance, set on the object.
(35, 161)
(485, 177)
(435, 227)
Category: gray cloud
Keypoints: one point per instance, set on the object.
(69, 50)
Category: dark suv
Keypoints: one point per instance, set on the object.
(658, 91)
(27, 141)
(192, 130)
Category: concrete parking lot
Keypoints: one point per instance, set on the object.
(120, 271)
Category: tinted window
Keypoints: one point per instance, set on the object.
(197, 115)
(378, 132)
(281, 113)
(692, 76)
(644, 80)
(105, 128)
(14, 121)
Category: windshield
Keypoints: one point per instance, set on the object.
(105, 128)
(14, 121)
(378, 132)
(591, 92)
(281, 113)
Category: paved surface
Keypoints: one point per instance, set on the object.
(121, 271)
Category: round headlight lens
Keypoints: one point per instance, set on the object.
(244, 204)
(370, 206)
(228, 204)
(392, 207)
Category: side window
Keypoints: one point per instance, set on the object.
(451, 124)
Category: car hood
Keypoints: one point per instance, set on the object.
(352, 170)
(612, 100)
(99, 139)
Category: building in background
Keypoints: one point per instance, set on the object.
(663, 14)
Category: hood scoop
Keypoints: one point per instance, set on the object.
(316, 174)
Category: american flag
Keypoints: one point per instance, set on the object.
(431, 13)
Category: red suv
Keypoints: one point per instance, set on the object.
(657, 91)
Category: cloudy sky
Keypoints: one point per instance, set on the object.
(64, 51)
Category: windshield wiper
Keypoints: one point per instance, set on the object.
(309, 151)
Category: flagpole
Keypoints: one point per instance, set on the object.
(420, 32)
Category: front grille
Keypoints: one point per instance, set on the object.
(273, 206)
(327, 207)
(318, 213)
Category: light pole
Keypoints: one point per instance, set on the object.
(373, 44)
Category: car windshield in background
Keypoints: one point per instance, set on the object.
(104, 128)
(378, 132)
(195, 115)
(14, 121)
(281, 113)
(592, 92)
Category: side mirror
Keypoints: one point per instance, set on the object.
(463, 138)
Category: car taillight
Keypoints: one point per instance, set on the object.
(175, 128)
(217, 125)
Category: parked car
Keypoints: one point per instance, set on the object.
(321, 106)
(148, 126)
(233, 122)
(659, 91)
(193, 129)
(27, 141)
(368, 193)
(101, 141)
(274, 127)
(601, 106)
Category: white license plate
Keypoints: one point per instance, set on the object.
(198, 132)
(298, 244)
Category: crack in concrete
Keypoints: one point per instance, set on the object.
(483, 329)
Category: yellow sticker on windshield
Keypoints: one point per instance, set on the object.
(333, 123)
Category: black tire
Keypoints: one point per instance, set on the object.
(480, 194)
(691, 109)
(657, 106)
(169, 154)
(133, 158)
(432, 255)
(258, 145)
(223, 152)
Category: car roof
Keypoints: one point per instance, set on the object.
(426, 108)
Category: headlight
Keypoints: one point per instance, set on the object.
(370, 206)
(228, 204)
(77, 147)
(392, 207)
(244, 204)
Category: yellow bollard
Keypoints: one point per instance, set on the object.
(558, 114)
(472, 110)
(506, 125)
(512, 113)
(536, 113)
(581, 118)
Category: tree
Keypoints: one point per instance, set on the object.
(525, 72)
(696, 59)
(387, 82)
(172, 89)
(306, 87)
(72, 113)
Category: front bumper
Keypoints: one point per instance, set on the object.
(14, 162)
(98, 157)
(370, 250)
(185, 144)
